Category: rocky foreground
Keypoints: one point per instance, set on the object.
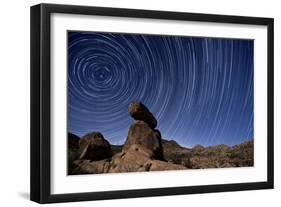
(145, 150)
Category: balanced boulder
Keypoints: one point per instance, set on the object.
(94, 146)
(142, 150)
(138, 111)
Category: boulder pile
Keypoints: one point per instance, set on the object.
(142, 150)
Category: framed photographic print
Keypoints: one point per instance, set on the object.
(132, 103)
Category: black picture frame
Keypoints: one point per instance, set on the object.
(41, 96)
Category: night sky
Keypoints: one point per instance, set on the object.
(199, 89)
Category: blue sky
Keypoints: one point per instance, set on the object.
(199, 89)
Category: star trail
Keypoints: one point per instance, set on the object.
(200, 89)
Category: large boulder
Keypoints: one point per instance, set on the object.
(94, 146)
(141, 134)
(139, 112)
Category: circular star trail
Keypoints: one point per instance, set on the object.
(199, 89)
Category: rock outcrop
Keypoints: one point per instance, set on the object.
(135, 159)
(145, 150)
(138, 159)
(176, 154)
(94, 146)
(142, 150)
(218, 156)
(90, 167)
(140, 133)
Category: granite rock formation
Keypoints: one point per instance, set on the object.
(142, 150)
(149, 139)
(145, 150)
